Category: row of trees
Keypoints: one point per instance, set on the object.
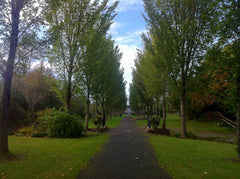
(190, 55)
(72, 37)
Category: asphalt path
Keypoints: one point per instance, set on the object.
(127, 155)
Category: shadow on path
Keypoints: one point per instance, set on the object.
(126, 155)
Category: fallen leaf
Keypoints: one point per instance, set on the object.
(205, 173)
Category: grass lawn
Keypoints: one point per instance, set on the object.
(51, 157)
(174, 122)
(110, 123)
(185, 158)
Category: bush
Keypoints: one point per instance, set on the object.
(155, 121)
(98, 121)
(27, 131)
(61, 124)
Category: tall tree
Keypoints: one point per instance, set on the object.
(13, 27)
(7, 76)
(107, 72)
(71, 22)
(187, 26)
(91, 50)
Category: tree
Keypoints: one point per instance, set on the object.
(229, 33)
(185, 28)
(90, 52)
(71, 23)
(107, 74)
(13, 27)
(34, 88)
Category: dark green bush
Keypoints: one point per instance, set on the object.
(62, 124)
(97, 121)
(155, 121)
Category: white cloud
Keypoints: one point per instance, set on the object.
(127, 62)
(125, 5)
(115, 26)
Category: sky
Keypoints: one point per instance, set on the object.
(128, 25)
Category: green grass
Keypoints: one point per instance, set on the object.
(50, 157)
(110, 123)
(114, 122)
(174, 122)
(185, 158)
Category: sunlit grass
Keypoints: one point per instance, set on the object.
(50, 157)
(185, 158)
(174, 122)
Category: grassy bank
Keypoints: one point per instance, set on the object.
(185, 158)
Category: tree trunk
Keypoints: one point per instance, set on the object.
(69, 92)
(157, 108)
(164, 105)
(183, 109)
(148, 116)
(238, 94)
(7, 76)
(103, 114)
(238, 110)
(87, 110)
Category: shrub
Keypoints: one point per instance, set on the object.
(62, 124)
(97, 121)
(155, 121)
(27, 131)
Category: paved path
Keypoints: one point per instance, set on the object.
(125, 156)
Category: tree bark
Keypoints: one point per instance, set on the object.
(103, 114)
(7, 76)
(148, 116)
(164, 105)
(87, 110)
(238, 110)
(69, 92)
(238, 95)
(183, 109)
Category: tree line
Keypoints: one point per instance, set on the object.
(79, 70)
(190, 60)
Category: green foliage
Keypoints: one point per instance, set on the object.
(62, 124)
(27, 131)
(97, 120)
(155, 121)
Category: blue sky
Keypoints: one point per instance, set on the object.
(128, 25)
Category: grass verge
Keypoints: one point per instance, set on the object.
(185, 158)
(110, 123)
(48, 157)
(174, 122)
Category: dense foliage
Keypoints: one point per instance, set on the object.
(62, 124)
